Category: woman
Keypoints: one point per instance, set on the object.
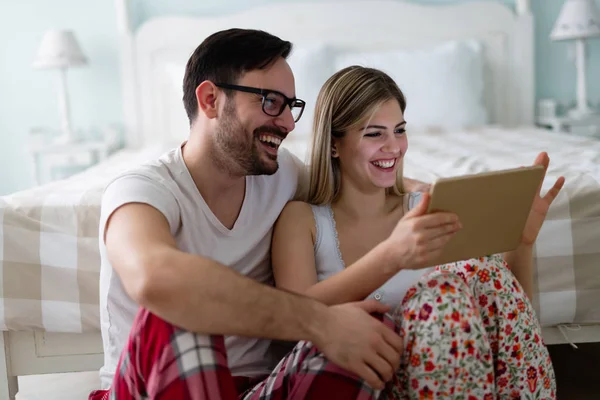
(469, 327)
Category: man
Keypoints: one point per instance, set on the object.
(186, 239)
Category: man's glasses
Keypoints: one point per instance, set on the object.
(273, 102)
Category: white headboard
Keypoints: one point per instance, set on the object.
(507, 37)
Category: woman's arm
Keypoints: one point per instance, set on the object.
(520, 262)
(294, 269)
(417, 239)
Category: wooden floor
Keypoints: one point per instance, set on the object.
(75, 386)
(577, 372)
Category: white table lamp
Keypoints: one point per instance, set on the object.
(578, 20)
(60, 50)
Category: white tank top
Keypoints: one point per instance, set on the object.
(328, 258)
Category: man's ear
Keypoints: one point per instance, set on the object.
(206, 96)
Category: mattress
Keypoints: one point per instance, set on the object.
(49, 257)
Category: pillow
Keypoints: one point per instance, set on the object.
(175, 72)
(444, 85)
(171, 100)
(312, 64)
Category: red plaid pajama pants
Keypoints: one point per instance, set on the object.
(164, 362)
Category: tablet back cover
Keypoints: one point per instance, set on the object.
(492, 207)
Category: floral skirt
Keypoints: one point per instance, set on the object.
(470, 332)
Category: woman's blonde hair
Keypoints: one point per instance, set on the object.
(345, 100)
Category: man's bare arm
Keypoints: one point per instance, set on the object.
(203, 296)
(195, 293)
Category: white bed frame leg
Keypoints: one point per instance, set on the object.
(9, 385)
(12, 387)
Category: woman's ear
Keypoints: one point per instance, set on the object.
(334, 152)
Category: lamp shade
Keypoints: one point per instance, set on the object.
(59, 49)
(578, 19)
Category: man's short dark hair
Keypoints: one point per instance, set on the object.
(224, 56)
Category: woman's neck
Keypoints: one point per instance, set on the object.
(358, 204)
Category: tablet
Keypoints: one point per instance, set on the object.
(492, 207)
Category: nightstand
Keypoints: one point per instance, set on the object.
(587, 126)
(55, 161)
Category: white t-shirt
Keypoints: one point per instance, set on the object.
(167, 185)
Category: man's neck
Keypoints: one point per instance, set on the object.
(212, 182)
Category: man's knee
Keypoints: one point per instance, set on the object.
(152, 338)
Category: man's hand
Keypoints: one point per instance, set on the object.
(356, 341)
(412, 185)
(419, 238)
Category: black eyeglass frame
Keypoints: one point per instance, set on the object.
(293, 102)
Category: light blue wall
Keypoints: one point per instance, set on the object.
(28, 97)
(555, 62)
(144, 9)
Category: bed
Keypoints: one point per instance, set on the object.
(476, 54)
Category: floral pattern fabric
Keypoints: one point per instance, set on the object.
(470, 332)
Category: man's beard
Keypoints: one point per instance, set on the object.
(238, 153)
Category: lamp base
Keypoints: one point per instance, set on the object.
(65, 138)
(582, 113)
